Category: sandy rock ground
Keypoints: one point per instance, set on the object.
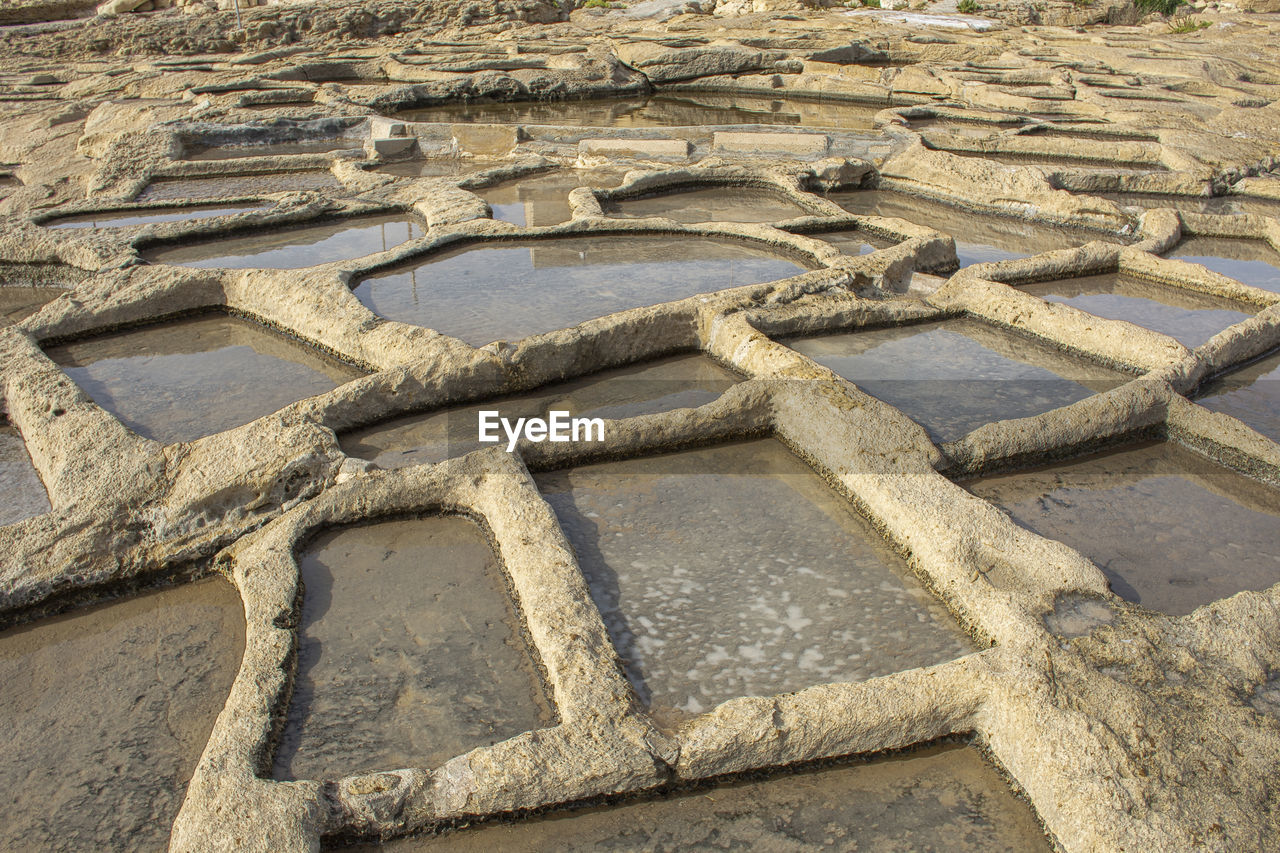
(1124, 728)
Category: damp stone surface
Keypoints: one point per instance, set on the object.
(486, 292)
(710, 205)
(952, 377)
(980, 238)
(735, 571)
(410, 652)
(105, 713)
(1252, 262)
(935, 798)
(292, 248)
(24, 494)
(1186, 316)
(1217, 532)
(682, 381)
(186, 379)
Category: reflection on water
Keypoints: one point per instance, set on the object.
(952, 377)
(979, 239)
(656, 111)
(409, 652)
(855, 241)
(508, 290)
(939, 798)
(544, 199)
(295, 247)
(119, 219)
(735, 571)
(1169, 529)
(24, 494)
(1251, 394)
(1188, 317)
(683, 381)
(106, 711)
(181, 380)
(1253, 262)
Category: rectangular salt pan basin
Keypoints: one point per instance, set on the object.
(297, 246)
(17, 302)
(1251, 394)
(186, 379)
(543, 199)
(680, 382)
(735, 571)
(979, 238)
(1186, 316)
(232, 186)
(1252, 262)
(410, 652)
(146, 216)
(713, 204)
(106, 711)
(1170, 529)
(952, 377)
(484, 292)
